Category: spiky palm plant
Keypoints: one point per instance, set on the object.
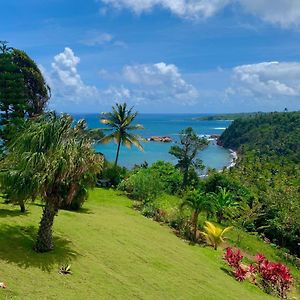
(214, 234)
(198, 202)
(119, 121)
(223, 200)
(47, 158)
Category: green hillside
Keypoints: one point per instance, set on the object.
(114, 252)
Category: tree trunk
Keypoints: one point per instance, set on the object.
(22, 206)
(220, 217)
(195, 223)
(44, 238)
(185, 177)
(118, 151)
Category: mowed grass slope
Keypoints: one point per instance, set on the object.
(115, 253)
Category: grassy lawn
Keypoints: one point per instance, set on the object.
(115, 253)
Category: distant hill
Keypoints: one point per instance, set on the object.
(231, 116)
(270, 133)
(269, 165)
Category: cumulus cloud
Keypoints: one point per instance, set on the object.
(160, 81)
(65, 80)
(135, 84)
(269, 78)
(283, 12)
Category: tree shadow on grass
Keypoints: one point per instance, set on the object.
(16, 247)
(12, 213)
(228, 272)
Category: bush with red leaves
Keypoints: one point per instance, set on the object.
(233, 258)
(274, 277)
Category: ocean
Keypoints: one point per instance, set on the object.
(171, 125)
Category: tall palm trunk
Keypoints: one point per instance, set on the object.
(118, 152)
(44, 239)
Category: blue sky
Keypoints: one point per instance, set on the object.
(162, 55)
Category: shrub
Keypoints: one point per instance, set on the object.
(177, 219)
(170, 176)
(115, 174)
(144, 185)
(275, 278)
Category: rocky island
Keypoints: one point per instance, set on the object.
(163, 139)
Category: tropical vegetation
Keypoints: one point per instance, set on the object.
(120, 123)
(53, 160)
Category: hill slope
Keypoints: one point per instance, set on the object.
(115, 253)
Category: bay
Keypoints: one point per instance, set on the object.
(171, 125)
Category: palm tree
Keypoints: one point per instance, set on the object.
(214, 234)
(223, 200)
(119, 122)
(47, 158)
(198, 202)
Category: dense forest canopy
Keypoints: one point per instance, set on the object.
(269, 165)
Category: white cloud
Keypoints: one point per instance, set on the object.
(95, 38)
(65, 80)
(283, 12)
(181, 8)
(160, 81)
(136, 84)
(270, 78)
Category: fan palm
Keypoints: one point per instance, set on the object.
(214, 234)
(119, 122)
(47, 158)
(198, 202)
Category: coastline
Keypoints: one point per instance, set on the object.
(233, 160)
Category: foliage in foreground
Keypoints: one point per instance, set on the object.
(274, 278)
(46, 159)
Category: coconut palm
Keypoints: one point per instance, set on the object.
(214, 234)
(47, 158)
(198, 202)
(119, 122)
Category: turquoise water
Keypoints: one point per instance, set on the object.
(170, 125)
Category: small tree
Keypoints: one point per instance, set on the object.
(198, 202)
(223, 201)
(23, 93)
(186, 153)
(47, 158)
(119, 122)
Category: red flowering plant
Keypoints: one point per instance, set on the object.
(273, 277)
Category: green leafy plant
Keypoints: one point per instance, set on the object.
(198, 202)
(144, 185)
